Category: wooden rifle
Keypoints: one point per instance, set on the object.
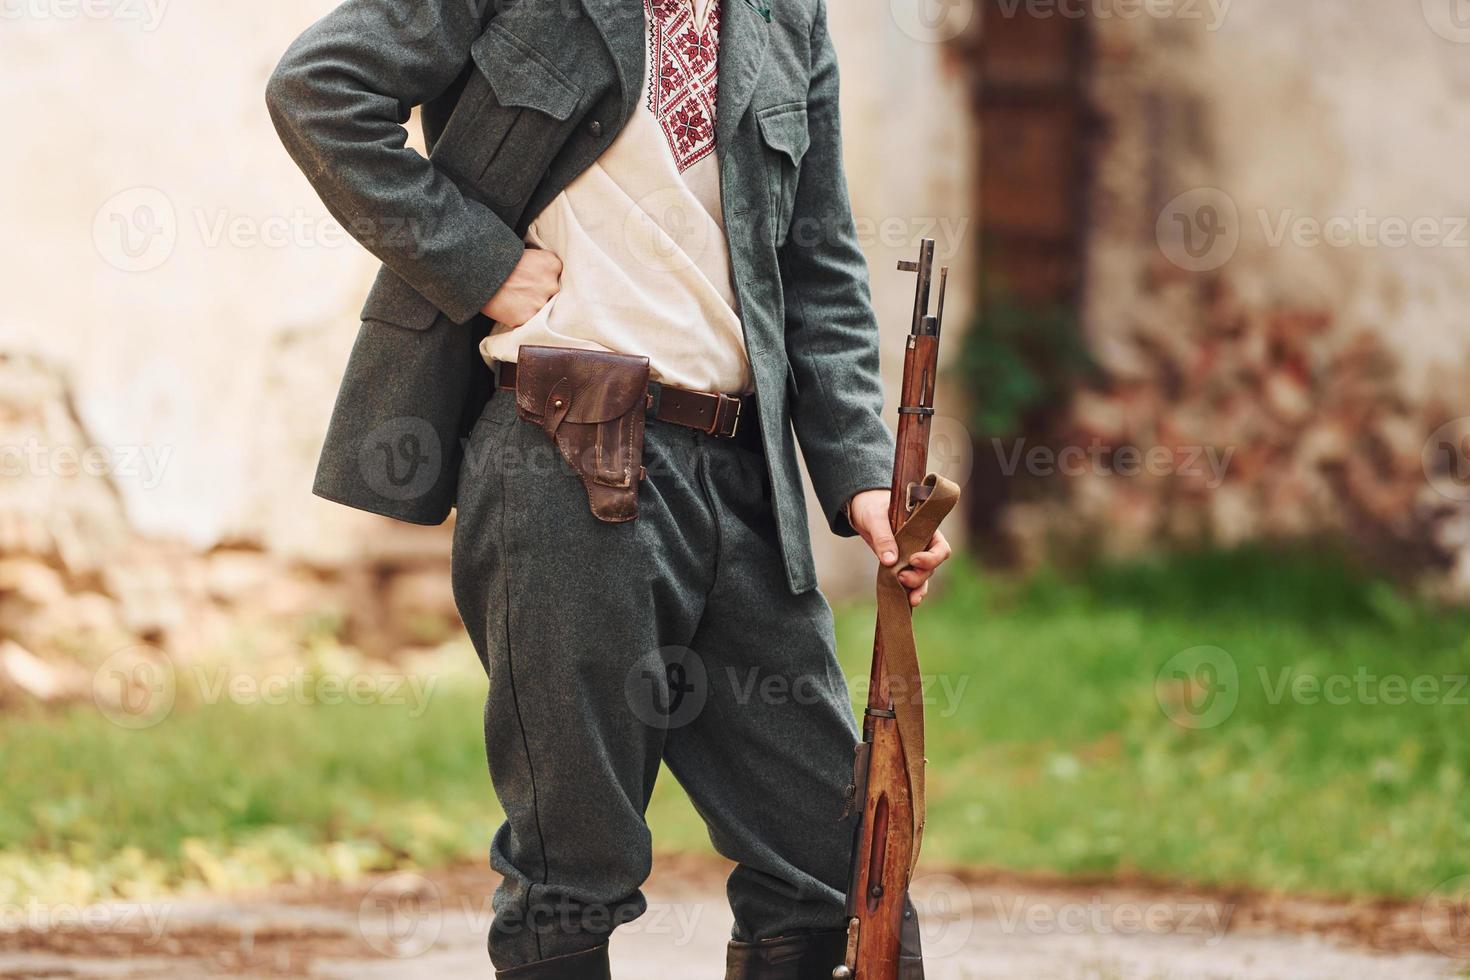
(888, 780)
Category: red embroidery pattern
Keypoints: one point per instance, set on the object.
(681, 92)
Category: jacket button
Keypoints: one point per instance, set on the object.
(595, 127)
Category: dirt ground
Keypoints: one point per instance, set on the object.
(430, 926)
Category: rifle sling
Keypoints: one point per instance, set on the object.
(896, 636)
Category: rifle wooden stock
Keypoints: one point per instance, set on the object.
(888, 772)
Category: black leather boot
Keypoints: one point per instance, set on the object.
(810, 956)
(589, 964)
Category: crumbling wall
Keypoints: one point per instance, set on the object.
(1277, 274)
(87, 602)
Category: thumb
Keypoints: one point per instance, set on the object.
(880, 539)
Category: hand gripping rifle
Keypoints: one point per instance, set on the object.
(888, 779)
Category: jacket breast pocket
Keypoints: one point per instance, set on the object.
(513, 117)
(784, 132)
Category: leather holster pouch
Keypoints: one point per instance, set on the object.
(591, 404)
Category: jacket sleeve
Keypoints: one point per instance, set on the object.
(339, 99)
(831, 332)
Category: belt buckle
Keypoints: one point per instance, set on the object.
(723, 400)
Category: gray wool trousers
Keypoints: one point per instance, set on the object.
(612, 648)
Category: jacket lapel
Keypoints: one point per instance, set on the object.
(743, 36)
(622, 27)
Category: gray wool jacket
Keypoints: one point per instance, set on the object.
(518, 97)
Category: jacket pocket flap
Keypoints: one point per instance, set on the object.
(600, 386)
(519, 75)
(784, 128)
(393, 300)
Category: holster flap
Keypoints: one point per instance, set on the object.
(603, 386)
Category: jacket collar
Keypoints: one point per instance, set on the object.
(744, 31)
(621, 24)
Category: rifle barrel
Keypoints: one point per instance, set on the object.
(921, 288)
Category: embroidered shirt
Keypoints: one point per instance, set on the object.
(646, 264)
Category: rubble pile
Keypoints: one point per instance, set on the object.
(1219, 424)
(79, 585)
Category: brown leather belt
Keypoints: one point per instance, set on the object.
(711, 412)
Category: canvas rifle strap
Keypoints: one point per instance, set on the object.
(896, 634)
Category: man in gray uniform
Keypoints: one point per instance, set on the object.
(622, 286)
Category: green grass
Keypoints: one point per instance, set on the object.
(1062, 757)
(234, 795)
(1049, 750)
